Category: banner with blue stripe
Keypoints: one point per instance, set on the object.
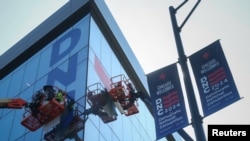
(167, 100)
(213, 78)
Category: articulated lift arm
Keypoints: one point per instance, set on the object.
(16, 103)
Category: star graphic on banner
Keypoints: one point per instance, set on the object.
(205, 55)
(162, 76)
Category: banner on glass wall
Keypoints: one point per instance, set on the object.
(167, 100)
(214, 79)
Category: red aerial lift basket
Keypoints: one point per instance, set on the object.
(120, 92)
(47, 112)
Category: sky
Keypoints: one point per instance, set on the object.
(147, 27)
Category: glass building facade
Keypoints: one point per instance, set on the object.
(80, 51)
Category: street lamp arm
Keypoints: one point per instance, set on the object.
(189, 14)
(181, 5)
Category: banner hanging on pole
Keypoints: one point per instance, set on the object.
(213, 78)
(167, 100)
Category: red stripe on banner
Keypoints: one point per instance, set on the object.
(170, 99)
(101, 73)
(217, 76)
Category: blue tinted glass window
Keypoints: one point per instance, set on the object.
(30, 72)
(16, 82)
(63, 63)
(37, 135)
(4, 86)
(6, 123)
(16, 126)
(44, 61)
(79, 57)
(102, 66)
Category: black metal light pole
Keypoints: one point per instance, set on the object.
(196, 117)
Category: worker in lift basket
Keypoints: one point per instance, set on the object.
(37, 99)
(49, 92)
(59, 96)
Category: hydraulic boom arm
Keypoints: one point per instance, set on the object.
(16, 103)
